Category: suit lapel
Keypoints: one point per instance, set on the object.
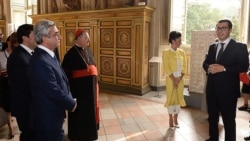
(55, 64)
(215, 46)
(59, 68)
(63, 74)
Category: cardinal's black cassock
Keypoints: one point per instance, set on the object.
(80, 67)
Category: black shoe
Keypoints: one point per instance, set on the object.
(248, 110)
(11, 136)
(247, 137)
(243, 108)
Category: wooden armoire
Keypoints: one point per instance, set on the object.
(119, 40)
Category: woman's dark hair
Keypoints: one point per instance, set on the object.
(12, 40)
(173, 35)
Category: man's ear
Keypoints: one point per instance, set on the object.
(25, 38)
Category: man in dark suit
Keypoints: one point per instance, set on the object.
(17, 70)
(49, 86)
(223, 85)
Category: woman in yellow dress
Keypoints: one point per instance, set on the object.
(174, 66)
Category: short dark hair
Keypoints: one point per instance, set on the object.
(230, 25)
(24, 30)
(173, 35)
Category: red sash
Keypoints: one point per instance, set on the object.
(91, 70)
(244, 78)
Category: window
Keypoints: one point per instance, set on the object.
(21, 11)
(189, 15)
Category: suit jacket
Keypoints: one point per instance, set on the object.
(17, 65)
(170, 63)
(50, 94)
(235, 60)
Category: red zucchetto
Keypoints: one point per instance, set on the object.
(78, 33)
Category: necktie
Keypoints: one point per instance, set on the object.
(55, 59)
(220, 51)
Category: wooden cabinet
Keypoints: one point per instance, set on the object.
(119, 40)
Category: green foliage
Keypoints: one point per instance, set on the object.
(236, 28)
(201, 16)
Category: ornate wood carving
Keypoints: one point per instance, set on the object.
(123, 67)
(107, 66)
(107, 38)
(124, 38)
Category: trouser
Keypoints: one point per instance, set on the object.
(23, 125)
(227, 107)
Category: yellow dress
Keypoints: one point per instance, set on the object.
(174, 62)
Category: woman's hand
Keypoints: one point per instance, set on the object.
(176, 81)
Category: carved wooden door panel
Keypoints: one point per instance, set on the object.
(116, 51)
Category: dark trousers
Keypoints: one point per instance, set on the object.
(49, 135)
(23, 125)
(226, 106)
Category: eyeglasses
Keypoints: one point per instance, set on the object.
(223, 28)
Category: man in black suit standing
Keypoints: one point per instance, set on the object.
(225, 60)
(17, 70)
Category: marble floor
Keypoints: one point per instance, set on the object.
(127, 117)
